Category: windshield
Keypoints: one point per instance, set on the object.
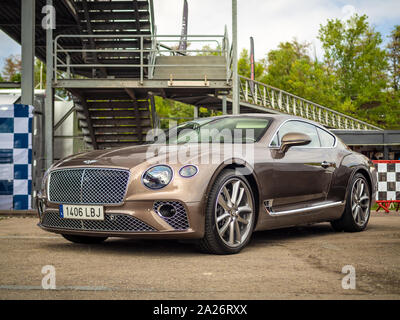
(217, 130)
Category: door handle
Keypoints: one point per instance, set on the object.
(326, 164)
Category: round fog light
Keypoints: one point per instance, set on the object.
(166, 210)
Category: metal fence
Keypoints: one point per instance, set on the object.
(148, 48)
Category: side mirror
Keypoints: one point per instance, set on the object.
(294, 139)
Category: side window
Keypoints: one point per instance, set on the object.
(327, 140)
(275, 141)
(300, 127)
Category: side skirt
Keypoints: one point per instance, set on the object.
(271, 212)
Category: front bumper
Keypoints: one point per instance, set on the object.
(133, 219)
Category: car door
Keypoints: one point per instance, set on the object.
(303, 174)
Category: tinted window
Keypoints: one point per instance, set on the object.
(300, 127)
(327, 140)
(219, 130)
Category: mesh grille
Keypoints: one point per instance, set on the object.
(179, 220)
(112, 223)
(88, 186)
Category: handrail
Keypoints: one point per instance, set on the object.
(150, 53)
(261, 94)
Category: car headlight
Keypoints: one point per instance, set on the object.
(188, 171)
(157, 177)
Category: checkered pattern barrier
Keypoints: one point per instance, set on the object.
(388, 183)
(15, 156)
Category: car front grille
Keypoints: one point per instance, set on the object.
(88, 186)
(112, 223)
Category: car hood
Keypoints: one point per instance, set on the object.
(129, 157)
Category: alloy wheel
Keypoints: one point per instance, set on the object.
(360, 202)
(234, 212)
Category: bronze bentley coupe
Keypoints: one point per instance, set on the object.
(212, 180)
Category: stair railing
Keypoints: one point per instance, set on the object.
(263, 95)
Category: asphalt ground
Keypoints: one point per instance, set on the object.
(293, 263)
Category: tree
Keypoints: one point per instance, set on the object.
(207, 50)
(394, 58)
(244, 66)
(12, 68)
(352, 51)
(280, 63)
(290, 68)
(178, 111)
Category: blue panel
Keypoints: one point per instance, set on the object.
(6, 156)
(30, 156)
(21, 140)
(20, 171)
(21, 202)
(61, 211)
(21, 111)
(30, 125)
(29, 186)
(6, 187)
(6, 125)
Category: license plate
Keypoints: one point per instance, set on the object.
(81, 212)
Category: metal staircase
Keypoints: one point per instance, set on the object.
(114, 119)
(109, 26)
(110, 44)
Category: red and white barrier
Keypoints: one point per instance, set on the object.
(388, 195)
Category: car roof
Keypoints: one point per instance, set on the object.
(279, 117)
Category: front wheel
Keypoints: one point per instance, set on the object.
(83, 239)
(230, 215)
(358, 206)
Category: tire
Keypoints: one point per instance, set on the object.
(83, 239)
(228, 224)
(358, 207)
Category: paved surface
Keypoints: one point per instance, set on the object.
(295, 263)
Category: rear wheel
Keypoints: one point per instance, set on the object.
(230, 215)
(83, 239)
(358, 206)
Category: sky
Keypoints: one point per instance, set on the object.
(268, 21)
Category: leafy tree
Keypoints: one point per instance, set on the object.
(12, 68)
(290, 68)
(280, 62)
(244, 67)
(352, 51)
(178, 111)
(210, 51)
(394, 58)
